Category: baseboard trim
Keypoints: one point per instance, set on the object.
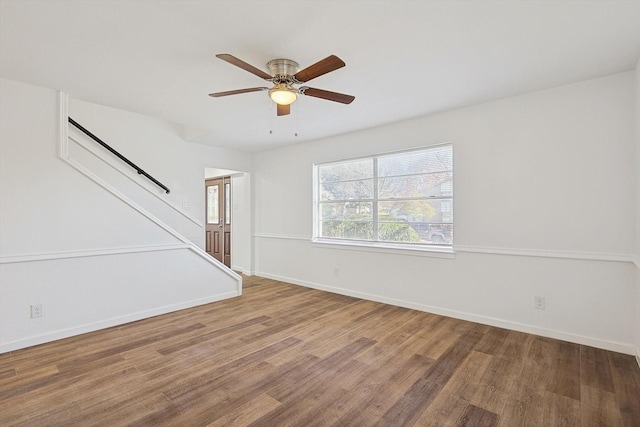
(242, 270)
(108, 323)
(485, 320)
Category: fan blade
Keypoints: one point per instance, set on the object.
(283, 110)
(325, 94)
(328, 64)
(235, 92)
(247, 67)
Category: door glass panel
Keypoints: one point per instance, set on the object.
(213, 204)
(227, 203)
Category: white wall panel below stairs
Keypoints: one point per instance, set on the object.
(94, 248)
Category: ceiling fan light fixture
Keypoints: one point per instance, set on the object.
(284, 74)
(283, 95)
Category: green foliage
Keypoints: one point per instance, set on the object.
(348, 230)
(362, 229)
(397, 232)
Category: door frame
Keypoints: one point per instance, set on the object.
(242, 220)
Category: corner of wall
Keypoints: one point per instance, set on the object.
(637, 258)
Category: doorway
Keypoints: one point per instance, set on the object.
(218, 219)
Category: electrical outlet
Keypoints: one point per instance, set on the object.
(185, 204)
(36, 310)
(336, 272)
(539, 303)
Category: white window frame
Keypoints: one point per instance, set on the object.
(372, 244)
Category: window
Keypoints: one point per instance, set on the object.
(397, 199)
(213, 205)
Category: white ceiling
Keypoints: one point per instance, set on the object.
(404, 58)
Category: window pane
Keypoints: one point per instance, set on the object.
(346, 171)
(416, 221)
(358, 189)
(347, 211)
(437, 234)
(437, 159)
(424, 185)
(347, 230)
(399, 232)
(409, 210)
(426, 210)
(213, 208)
(227, 203)
(416, 233)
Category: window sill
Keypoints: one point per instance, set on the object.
(433, 252)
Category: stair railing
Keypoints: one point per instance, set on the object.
(118, 155)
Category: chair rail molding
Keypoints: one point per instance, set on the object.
(48, 256)
(525, 252)
(589, 256)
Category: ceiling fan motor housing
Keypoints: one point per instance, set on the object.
(282, 68)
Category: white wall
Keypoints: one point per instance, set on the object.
(637, 252)
(241, 224)
(67, 243)
(544, 201)
(157, 146)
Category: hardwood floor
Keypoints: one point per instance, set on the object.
(283, 355)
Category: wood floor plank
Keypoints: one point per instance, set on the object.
(560, 410)
(438, 338)
(246, 414)
(305, 378)
(28, 375)
(492, 341)
(566, 378)
(445, 411)
(318, 415)
(188, 390)
(599, 408)
(626, 381)
(8, 373)
(423, 391)
(200, 338)
(285, 355)
(595, 369)
(474, 416)
(372, 398)
(468, 376)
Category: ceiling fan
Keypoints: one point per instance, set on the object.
(284, 74)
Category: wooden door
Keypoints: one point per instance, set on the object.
(214, 210)
(218, 219)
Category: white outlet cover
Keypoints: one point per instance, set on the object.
(36, 310)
